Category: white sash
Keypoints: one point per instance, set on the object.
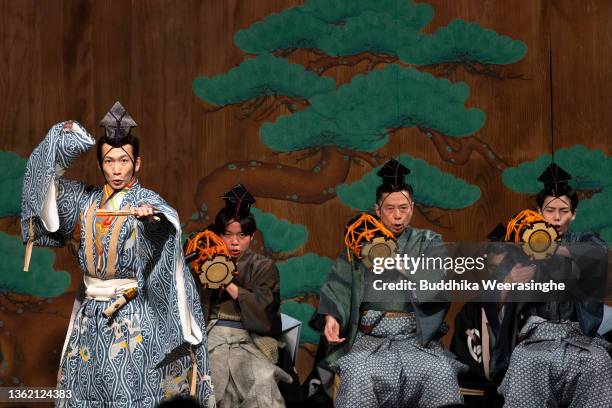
(100, 289)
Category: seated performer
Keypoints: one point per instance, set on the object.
(550, 349)
(136, 334)
(387, 353)
(244, 321)
(477, 326)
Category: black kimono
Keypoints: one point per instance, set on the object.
(549, 348)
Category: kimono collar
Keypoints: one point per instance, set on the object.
(570, 237)
(404, 237)
(114, 197)
(246, 255)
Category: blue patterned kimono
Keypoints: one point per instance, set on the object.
(145, 351)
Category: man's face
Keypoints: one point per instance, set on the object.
(236, 241)
(558, 212)
(117, 165)
(395, 211)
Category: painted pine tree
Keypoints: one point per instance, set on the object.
(347, 123)
(591, 172)
(287, 83)
(42, 280)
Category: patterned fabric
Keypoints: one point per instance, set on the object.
(555, 364)
(243, 376)
(342, 294)
(389, 368)
(111, 201)
(558, 359)
(142, 354)
(47, 162)
(267, 345)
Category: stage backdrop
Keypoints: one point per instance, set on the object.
(301, 102)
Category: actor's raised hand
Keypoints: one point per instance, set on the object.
(332, 330)
(68, 125)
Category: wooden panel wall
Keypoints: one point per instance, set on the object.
(73, 59)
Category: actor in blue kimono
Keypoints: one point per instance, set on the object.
(387, 353)
(550, 349)
(136, 334)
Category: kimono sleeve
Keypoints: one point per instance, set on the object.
(335, 296)
(167, 284)
(590, 256)
(50, 204)
(431, 247)
(259, 306)
(431, 306)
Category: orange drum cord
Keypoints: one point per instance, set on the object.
(365, 228)
(519, 222)
(208, 245)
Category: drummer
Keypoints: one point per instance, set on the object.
(386, 351)
(244, 320)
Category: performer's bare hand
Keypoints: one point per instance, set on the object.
(145, 210)
(232, 290)
(563, 251)
(495, 259)
(520, 273)
(332, 330)
(68, 125)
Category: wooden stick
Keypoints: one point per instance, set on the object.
(120, 213)
(471, 391)
(28, 255)
(110, 213)
(194, 373)
(29, 245)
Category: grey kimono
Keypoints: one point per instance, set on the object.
(397, 361)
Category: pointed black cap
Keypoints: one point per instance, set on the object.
(238, 201)
(498, 233)
(555, 178)
(393, 173)
(117, 124)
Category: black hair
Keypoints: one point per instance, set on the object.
(564, 190)
(392, 188)
(129, 139)
(225, 216)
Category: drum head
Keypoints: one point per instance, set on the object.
(540, 240)
(380, 247)
(217, 272)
